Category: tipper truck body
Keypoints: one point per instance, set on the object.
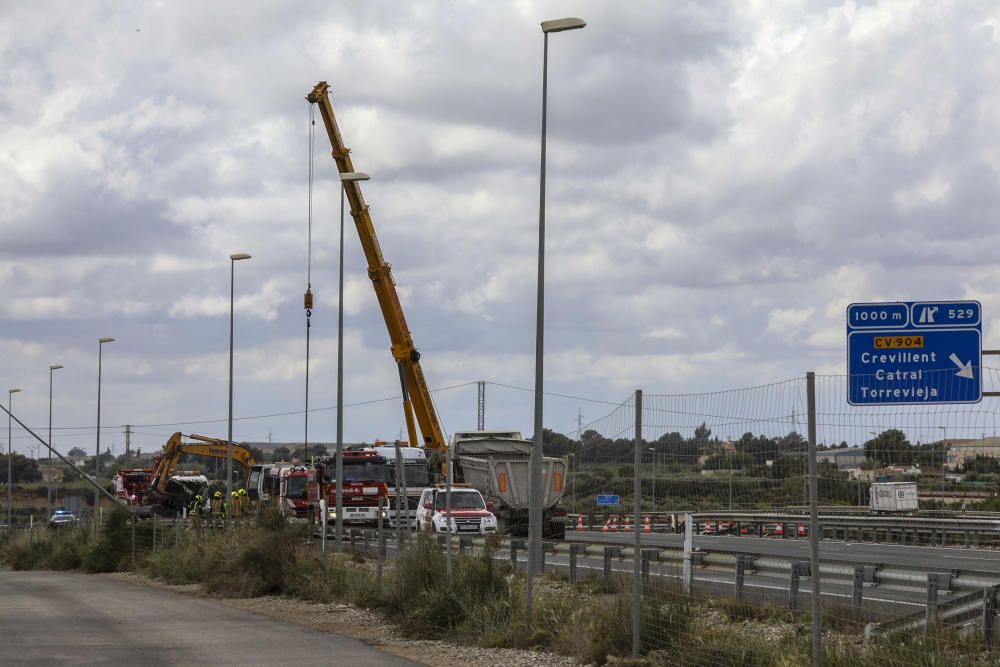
(497, 464)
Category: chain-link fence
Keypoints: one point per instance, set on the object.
(893, 537)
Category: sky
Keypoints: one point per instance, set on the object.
(723, 179)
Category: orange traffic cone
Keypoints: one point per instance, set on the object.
(614, 523)
(607, 526)
(579, 523)
(628, 524)
(646, 527)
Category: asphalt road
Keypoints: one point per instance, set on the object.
(60, 618)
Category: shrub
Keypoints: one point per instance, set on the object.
(110, 552)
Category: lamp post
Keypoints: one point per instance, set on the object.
(48, 491)
(10, 456)
(345, 178)
(535, 494)
(235, 257)
(97, 458)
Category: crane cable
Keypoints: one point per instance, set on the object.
(308, 299)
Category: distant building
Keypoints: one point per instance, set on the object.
(959, 451)
(844, 459)
(56, 473)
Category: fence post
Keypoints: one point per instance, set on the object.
(793, 588)
(814, 521)
(449, 477)
(133, 541)
(742, 561)
(688, 572)
(799, 569)
(574, 551)
(857, 593)
(380, 549)
(637, 528)
(989, 612)
(323, 518)
(932, 601)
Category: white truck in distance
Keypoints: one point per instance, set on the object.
(893, 497)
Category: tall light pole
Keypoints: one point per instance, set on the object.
(345, 178)
(97, 459)
(535, 495)
(229, 440)
(10, 456)
(48, 491)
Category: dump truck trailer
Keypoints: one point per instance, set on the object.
(497, 464)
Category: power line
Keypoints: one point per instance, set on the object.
(549, 393)
(90, 429)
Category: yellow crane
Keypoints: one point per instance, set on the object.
(416, 396)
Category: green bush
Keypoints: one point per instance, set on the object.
(45, 550)
(114, 549)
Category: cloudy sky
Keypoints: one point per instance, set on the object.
(724, 178)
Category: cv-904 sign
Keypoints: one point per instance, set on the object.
(914, 352)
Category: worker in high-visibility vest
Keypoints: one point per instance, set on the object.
(194, 510)
(235, 497)
(244, 502)
(218, 505)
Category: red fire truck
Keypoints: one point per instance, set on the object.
(293, 491)
(132, 484)
(363, 484)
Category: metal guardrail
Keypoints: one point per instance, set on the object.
(965, 531)
(962, 610)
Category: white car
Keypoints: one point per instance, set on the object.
(470, 514)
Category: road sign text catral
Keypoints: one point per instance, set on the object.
(609, 500)
(914, 352)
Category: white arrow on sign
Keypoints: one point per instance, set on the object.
(964, 371)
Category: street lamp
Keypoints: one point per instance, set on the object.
(229, 441)
(10, 456)
(345, 178)
(48, 491)
(535, 494)
(97, 459)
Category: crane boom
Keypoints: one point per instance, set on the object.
(403, 350)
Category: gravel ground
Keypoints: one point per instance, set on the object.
(351, 621)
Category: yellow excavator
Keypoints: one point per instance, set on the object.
(416, 396)
(168, 495)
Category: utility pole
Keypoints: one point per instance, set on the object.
(579, 423)
(128, 443)
(481, 413)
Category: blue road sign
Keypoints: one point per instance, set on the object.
(609, 500)
(914, 352)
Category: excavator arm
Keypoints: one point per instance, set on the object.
(407, 357)
(212, 447)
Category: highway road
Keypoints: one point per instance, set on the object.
(60, 618)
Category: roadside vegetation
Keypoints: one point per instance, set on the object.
(485, 607)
